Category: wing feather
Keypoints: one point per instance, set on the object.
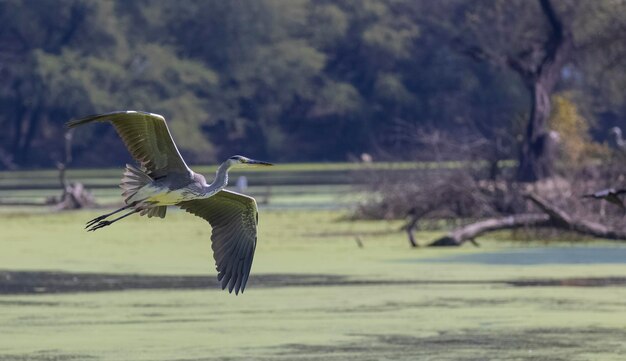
(147, 138)
(234, 219)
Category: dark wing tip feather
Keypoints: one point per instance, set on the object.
(233, 218)
(78, 122)
(105, 116)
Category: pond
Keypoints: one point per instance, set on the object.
(539, 256)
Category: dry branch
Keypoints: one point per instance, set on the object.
(471, 231)
(563, 220)
(552, 217)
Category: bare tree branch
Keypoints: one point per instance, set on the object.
(552, 217)
(553, 19)
(559, 41)
(471, 231)
(564, 220)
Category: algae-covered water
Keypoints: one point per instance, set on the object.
(585, 255)
(145, 289)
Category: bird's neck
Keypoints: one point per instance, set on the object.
(220, 181)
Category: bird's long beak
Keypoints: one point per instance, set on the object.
(258, 162)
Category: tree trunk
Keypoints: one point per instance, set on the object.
(537, 156)
(539, 67)
(31, 131)
(17, 128)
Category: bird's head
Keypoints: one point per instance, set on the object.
(240, 161)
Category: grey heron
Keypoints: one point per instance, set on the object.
(610, 195)
(620, 143)
(164, 179)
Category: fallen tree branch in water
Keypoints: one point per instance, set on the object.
(563, 220)
(473, 230)
(552, 217)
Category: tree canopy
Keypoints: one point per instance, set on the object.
(302, 80)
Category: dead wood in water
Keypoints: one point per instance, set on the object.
(552, 217)
(583, 226)
(74, 195)
(471, 231)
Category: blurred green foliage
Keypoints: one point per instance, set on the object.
(286, 80)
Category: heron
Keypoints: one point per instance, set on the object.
(620, 143)
(163, 179)
(610, 195)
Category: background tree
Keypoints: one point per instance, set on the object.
(308, 80)
(542, 44)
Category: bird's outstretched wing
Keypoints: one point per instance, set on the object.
(600, 194)
(234, 219)
(147, 138)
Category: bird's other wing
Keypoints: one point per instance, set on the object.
(147, 138)
(601, 193)
(234, 219)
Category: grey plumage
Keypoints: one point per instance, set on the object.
(233, 250)
(164, 179)
(620, 143)
(610, 195)
(147, 138)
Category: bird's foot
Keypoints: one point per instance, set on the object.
(99, 225)
(95, 220)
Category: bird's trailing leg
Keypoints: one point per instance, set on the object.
(104, 223)
(99, 218)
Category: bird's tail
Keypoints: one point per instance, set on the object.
(154, 212)
(134, 178)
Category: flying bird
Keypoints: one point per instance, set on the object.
(164, 179)
(620, 143)
(610, 195)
